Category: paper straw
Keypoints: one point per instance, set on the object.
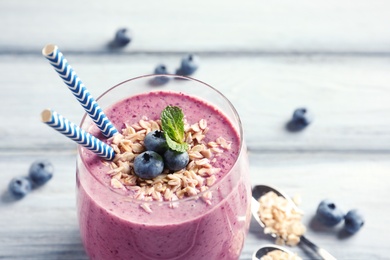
(67, 128)
(69, 76)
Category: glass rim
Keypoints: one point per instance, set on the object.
(190, 198)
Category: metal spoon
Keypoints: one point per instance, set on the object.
(262, 251)
(259, 191)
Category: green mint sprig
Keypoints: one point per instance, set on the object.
(173, 126)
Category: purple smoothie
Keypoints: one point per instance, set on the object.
(114, 226)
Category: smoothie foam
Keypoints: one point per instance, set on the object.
(116, 227)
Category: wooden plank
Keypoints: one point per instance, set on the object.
(265, 26)
(349, 97)
(44, 224)
(267, 57)
(353, 181)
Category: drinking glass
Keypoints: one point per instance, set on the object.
(116, 226)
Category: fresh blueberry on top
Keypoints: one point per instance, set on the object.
(354, 220)
(189, 64)
(20, 187)
(329, 214)
(301, 118)
(175, 161)
(160, 80)
(148, 165)
(40, 172)
(122, 38)
(155, 141)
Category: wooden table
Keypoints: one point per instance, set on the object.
(267, 57)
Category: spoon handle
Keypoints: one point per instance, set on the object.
(320, 251)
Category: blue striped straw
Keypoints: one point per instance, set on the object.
(67, 128)
(69, 76)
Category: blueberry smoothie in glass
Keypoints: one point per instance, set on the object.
(197, 211)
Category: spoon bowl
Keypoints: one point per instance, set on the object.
(260, 190)
(263, 250)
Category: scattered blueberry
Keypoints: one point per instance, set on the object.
(148, 165)
(160, 80)
(175, 161)
(301, 118)
(329, 214)
(155, 141)
(20, 187)
(122, 38)
(40, 172)
(189, 64)
(354, 220)
(160, 69)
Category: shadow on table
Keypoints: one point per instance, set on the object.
(6, 197)
(338, 231)
(258, 231)
(309, 253)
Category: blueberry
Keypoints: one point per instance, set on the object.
(354, 220)
(160, 80)
(189, 64)
(160, 69)
(40, 172)
(155, 141)
(148, 165)
(301, 118)
(175, 161)
(329, 214)
(122, 38)
(20, 187)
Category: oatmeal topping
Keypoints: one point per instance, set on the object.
(281, 219)
(197, 177)
(280, 255)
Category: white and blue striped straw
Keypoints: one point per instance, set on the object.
(69, 76)
(69, 129)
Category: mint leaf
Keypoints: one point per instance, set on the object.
(181, 148)
(173, 127)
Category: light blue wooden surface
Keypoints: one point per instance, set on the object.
(267, 57)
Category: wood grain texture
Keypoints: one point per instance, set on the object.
(216, 26)
(44, 224)
(267, 57)
(355, 181)
(348, 96)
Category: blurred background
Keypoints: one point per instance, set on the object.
(267, 57)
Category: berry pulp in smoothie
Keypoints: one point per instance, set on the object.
(114, 225)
